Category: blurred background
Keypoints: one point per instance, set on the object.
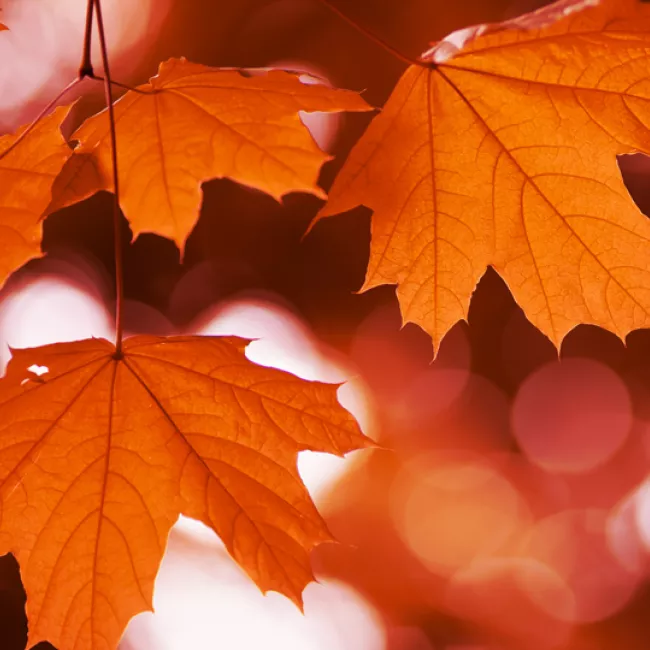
(509, 505)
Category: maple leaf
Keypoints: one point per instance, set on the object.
(191, 123)
(28, 167)
(99, 455)
(501, 149)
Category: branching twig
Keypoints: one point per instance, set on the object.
(85, 70)
(86, 66)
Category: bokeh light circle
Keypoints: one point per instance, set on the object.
(201, 594)
(642, 512)
(576, 545)
(50, 309)
(572, 415)
(625, 531)
(452, 510)
(44, 44)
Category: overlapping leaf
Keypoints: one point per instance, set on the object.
(192, 123)
(100, 455)
(28, 167)
(503, 152)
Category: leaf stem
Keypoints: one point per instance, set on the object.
(372, 36)
(119, 277)
(39, 117)
(86, 66)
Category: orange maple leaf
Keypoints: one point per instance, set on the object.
(28, 167)
(501, 149)
(191, 123)
(100, 455)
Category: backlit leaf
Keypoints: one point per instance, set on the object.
(191, 123)
(99, 456)
(503, 152)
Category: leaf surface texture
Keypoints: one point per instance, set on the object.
(28, 168)
(503, 153)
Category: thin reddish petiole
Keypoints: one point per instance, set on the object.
(373, 37)
(85, 70)
(119, 277)
(39, 117)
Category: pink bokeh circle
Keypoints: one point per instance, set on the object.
(571, 416)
